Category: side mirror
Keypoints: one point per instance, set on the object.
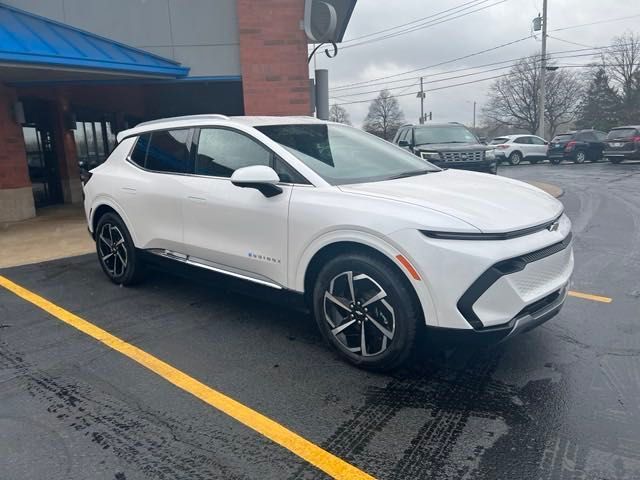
(404, 144)
(262, 178)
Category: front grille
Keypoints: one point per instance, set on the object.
(476, 156)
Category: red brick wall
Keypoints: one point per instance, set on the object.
(273, 54)
(14, 172)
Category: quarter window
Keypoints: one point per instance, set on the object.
(139, 153)
(522, 141)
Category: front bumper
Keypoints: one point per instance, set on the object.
(477, 166)
(624, 154)
(478, 285)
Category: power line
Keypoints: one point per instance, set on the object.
(570, 42)
(477, 2)
(422, 26)
(570, 27)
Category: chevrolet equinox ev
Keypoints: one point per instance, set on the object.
(379, 241)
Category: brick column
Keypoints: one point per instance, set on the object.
(66, 153)
(16, 196)
(273, 55)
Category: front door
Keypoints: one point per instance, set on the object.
(232, 228)
(41, 154)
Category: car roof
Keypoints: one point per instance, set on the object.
(214, 119)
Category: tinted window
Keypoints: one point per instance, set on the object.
(408, 134)
(139, 153)
(168, 151)
(622, 134)
(537, 141)
(522, 140)
(587, 137)
(600, 136)
(221, 152)
(564, 137)
(343, 155)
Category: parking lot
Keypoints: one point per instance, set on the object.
(560, 402)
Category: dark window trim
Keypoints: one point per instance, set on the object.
(146, 153)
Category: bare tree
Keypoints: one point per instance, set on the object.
(339, 114)
(514, 98)
(622, 61)
(384, 117)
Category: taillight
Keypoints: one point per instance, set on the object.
(636, 139)
(570, 146)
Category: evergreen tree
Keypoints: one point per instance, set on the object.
(600, 106)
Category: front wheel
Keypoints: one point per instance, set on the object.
(116, 252)
(366, 310)
(515, 158)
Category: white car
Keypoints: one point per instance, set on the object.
(379, 241)
(516, 148)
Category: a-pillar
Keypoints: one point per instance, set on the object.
(16, 195)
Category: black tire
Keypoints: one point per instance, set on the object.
(580, 157)
(615, 160)
(117, 254)
(534, 161)
(515, 158)
(555, 161)
(369, 275)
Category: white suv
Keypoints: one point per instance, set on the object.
(378, 240)
(516, 148)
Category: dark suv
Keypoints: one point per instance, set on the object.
(447, 145)
(578, 146)
(623, 143)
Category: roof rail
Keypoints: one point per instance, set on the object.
(204, 116)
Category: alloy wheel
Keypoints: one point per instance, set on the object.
(359, 314)
(515, 158)
(112, 250)
(580, 157)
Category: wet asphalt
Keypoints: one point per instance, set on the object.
(560, 402)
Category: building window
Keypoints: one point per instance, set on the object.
(94, 142)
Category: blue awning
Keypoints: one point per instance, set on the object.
(32, 41)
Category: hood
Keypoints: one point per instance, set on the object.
(490, 203)
(452, 147)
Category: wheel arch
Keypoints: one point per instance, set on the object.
(518, 152)
(325, 248)
(103, 206)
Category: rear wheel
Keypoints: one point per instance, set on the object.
(116, 252)
(580, 157)
(366, 310)
(515, 158)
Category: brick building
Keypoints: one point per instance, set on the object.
(74, 72)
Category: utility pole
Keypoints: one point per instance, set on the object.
(543, 73)
(421, 95)
(474, 114)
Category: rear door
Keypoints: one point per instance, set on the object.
(150, 189)
(524, 145)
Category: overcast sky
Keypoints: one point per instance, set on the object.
(498, 24)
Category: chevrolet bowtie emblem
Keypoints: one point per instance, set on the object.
(554, 227)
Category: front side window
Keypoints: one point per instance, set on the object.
(168, 151)
(343, 155)
(221, 152)
(537, 141)
(443, 134)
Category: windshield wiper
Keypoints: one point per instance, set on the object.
(413, 173)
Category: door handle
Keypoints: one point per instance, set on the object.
(197, 199)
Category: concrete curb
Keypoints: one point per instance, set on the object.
(553, 190)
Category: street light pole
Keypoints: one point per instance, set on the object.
(543, 73)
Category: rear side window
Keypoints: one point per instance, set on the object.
(168, 151)
(522, 140)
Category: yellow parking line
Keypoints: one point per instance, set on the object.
(588, 296)
(325, 461)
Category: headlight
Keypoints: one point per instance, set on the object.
(490, 155)
(430, 155)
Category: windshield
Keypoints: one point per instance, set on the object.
(343, 155)
(499, 140)
(621, 133)
(444, 134)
